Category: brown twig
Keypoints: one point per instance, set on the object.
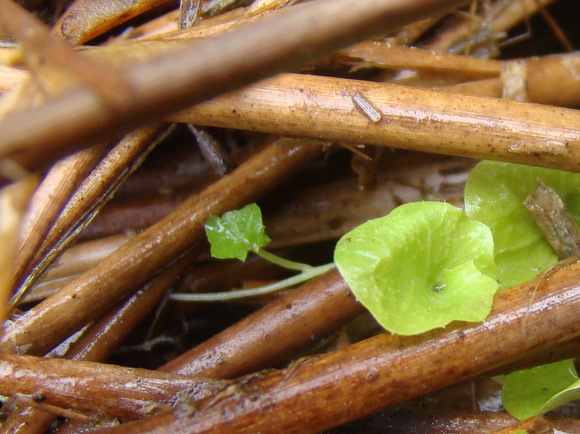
(207, 68)
(416, 119)
(48, 323)
(384, 370)
(90, 196)
(274, 332)
(87, 386)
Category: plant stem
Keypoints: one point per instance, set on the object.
(282, 262)
(304, 276)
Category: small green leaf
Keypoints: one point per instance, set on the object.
(494, 195)
(534, 391)
(420, 267)
(236, 233)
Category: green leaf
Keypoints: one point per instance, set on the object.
(420, 267)
(494, 195)
(236, 233)
(534, 391)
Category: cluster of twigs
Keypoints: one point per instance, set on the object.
(303, 104)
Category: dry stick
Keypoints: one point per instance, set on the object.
(554, 220)
(88, 199)
(207, 68)
(86, 19)
(416, 119)
(48, 200)
(45, 52)
(102, 337)
(277, 331)
(385, 370)
(13, 201)
(97, 387)
(550, 80)
(48, 323)
(383, 55)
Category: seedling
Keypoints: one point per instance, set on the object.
(234, 235)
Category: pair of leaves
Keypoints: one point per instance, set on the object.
(443, 262)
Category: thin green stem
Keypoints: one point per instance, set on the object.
(285, 263)
(261, 290)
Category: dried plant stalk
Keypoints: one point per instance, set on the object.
(48, 323)
(207, 68)
(274, 332)
(416, 119)
(384, 55)
(554, 221)
(122, 392)
(386, 370)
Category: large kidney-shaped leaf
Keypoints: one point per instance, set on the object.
(420, 267)
(494, 195)
(534, 391)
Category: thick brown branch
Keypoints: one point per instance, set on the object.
(416, 119)
(274, 332)
(207, 68)
(48, 323)
(385, 370)
(87, 386)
